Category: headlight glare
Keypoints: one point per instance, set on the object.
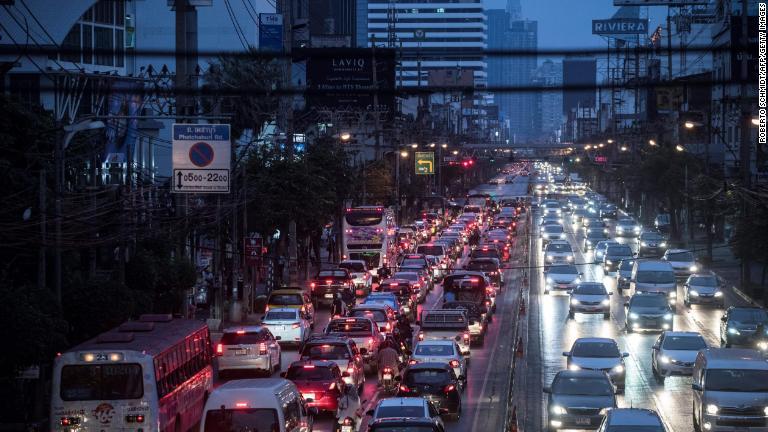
(668, 317)
(633, 316)
(694, 268)
(733, 331)
(693, 293)
(618, 369)
(558, 410)
(718, 293)
(575, 302)
(712, 409)
(605, 302)
(643, 244)
(574, 367)
(664, 359)
(662, 244)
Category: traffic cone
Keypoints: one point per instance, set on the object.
(519, 350)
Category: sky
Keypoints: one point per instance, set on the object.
(568, 23)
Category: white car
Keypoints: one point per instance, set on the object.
(590, 298)
(287, 325)
(598, 354)
(440, 351)
(561, 277)
(248, 348)
(558, 251)
(361, 276)
(682, 260)
(674, 353)
(627, 228)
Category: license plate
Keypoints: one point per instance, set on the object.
(308, 396)
(583, 421)
(387, 376)
(240, 352)
(346, 429)
(329, 295)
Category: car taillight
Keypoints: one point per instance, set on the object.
(412, 362)
(219, 349)
(454, 363)
(388, 326)
(370, 341)
(138, 418)
(328, 281)
(262, 348)
(295, 325)
(332, 386)
(421, 336)
(266, 309)
(312, 285)
(350, 370)
(449, 388)
(69, 421)
(387, 370)
(466, 336)
(404, 389)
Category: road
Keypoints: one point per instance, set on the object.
(485, 397)
(550, 324)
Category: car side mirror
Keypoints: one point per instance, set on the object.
(624, 355)
(566, 353)
(369, 412)
(696, 386)
(344, 374)
(277, 338)
(547, 389)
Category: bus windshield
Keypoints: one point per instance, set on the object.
(242, 420)
(363, 218)
(101, 382)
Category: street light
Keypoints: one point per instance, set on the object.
(623, 148)
(444, 145)
(578, 159)
(679, 148)
(587, 147)
(414, 145)
(345, 136)
(404, 154)
(432, 145)
(455, 152)
(756, 121)
(610, 141)
(651, 142)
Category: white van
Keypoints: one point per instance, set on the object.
(268, 404)
(730, 390)
(654, 276)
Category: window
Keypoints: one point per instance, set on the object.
(101, 382)
(87, 44)
(104, 12)
(440, 10)
(71, 45)
(119, 48)
(104, 44)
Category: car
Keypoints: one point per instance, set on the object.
(674, 353)
(405, 424)
(437, 382)
(651, 243)
(294, 298)
(551, 232)
(361, 276)
(579, 399)
(389, 299)
(289, 326)
(590, 220)
(383, 315)
(445, 324)
(477, 316)
(614, 254)
(558, 251)
(654, 276)
(320, 382)
(627, 228)
(561, 277)
(590, 298)
(648, 311)
(419, 286)
(247, 349)
(597, 225)
(624, 273)
(440, 351)
(600, 248)
(364, 331)
(662, 222)
(340, 350)
(631, 419)
(440, 252)
(703, 288)
(489, 266)
(608, 211)
(592, 239)
(485, 251)
(414, 260)
(406, 408)
(600, 354)
(327, 283)
(551, 220)
(739, 325)
(683, 262)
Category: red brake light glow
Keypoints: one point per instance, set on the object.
(219, 349)
(309, 366)
(241, 404)
(449, 388)
(454, 363)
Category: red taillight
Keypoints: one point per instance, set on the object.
(241, 405)
(219, 349)
(312, 285)
(295, 325)
(347, 421)
(412, 362)
(454, 363)
(328, 281)
(421, 336)
(350, 370)
(449, 388)
(404, 389)
(388, 327)
(262, 348)
(466, 336)
(332, 386)
(309, 366)
(370, 341)
(387, 370)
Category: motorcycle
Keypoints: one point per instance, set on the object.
(388, 383)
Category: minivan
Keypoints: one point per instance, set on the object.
(268, 404)
(654, 276)
(730, 390)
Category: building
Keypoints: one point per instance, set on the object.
(549, 103)
(579, 72)
(433, 36)
(524, 37)
(333, 22)
(500, 66)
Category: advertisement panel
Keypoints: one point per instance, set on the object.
(620, 26)
(341, 79)
(270, 32)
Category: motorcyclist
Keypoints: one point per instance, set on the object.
(337, 307)
(404, 329)
(384, 272)
(388, 357)
(348, 297)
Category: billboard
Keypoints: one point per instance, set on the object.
(270, 32)
(616, 26)
(341, 79)
(659, 2)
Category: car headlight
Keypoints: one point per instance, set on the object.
(673, 294)
(766, 410)
(718, 293)
(574, 367)
(604, 411)
(643, 244)
(605, 302)
(558, 410)
(550, 257)
(609, 262)
(550, 280)
(693, 268)
(618, 369)
(618, 228)
(662, 244)
(637, 229)
(633, 316)
(605, 230)
(562, 236)
(569, 258)
(664, 359)
(693, 293)
(712, 409)
(733, 331)
(668, 317)
(763, 346)
(575, 302)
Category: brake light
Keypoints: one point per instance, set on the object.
(309, 366)
(449, 388)
(219, 349)
(262, 348)
(370, 341)
(350, 320)
(241, 404)
(138, 418)
(388, 326)
(69, 421)
(404, 389)
(312, 285)
(328, 281)
(393, 284)
(387, 370)
(295, 325)
(412, 362)
(421, 336)
(454, 363)
(474, 280)
(347, 421)
(240, 332)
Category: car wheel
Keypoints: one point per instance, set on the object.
(696, 425)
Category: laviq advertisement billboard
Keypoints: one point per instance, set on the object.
(343, 79)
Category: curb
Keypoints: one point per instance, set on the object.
(744, 296)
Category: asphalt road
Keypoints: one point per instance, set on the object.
(550, 323)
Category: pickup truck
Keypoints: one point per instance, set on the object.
(361, 276)
(477, 316)
(444, 324)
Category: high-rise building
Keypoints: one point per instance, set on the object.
(331, 20)
(514, 10)
(524, 37)
(549, 103)
(499, 66)
(433, 36)
(579, 72)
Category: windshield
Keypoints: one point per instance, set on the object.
(564, 270)
(413, 262)
(650, 301)
(553, 229)
(241, 420)
(485, 253)
(376, 315)
(332, 274)
(309, 373)
(101, 382)
(482, 266)
(400, 411)
(704, 281)
(371, 258)
(590, 289)
(684, 343)
(280, 316)
(351, 326)
(680, 256)
(427, 376)
(651, 237)
(749, 316)
(434, 350)
(618, 251)
(655, 277)
(430, 250)
(285, 299)
(353, 267)
(736, 380)
(596, 235)
(326, 352)
(406, 275)
(559, 247)
(363, 218)
(626, 265)
(582, 386)
(595, 349)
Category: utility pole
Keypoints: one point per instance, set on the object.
(669, 44)
(287, 114)
(745, 149)
(41, 276)
(59, 182)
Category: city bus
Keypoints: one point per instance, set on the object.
(153, 374)
(369, 235)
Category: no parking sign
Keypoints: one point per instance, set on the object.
(202, 155)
